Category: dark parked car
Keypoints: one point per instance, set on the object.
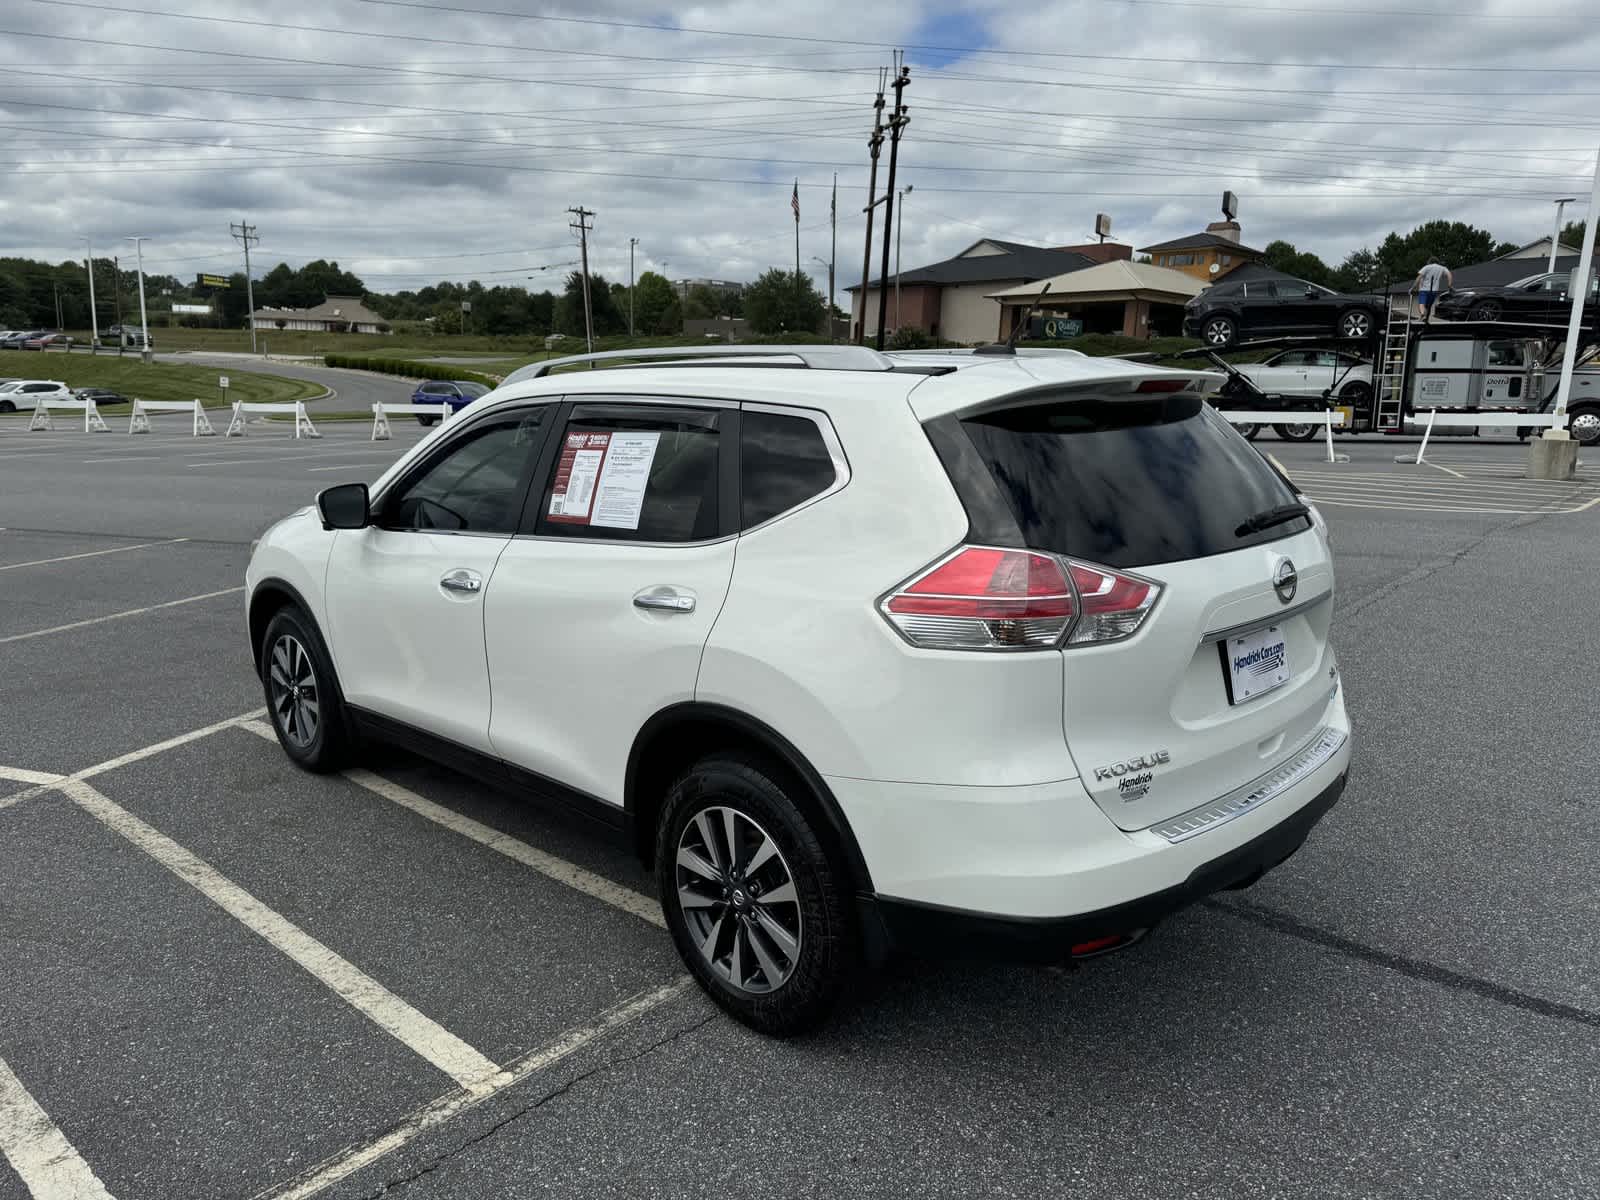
(100, 396)
(1539, 298)
(457, 393)
(1230, 310)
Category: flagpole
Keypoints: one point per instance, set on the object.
(797, 232)
(833, 254)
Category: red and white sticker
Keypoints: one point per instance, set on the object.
(601, 479)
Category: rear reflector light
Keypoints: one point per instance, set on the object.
(992, 598)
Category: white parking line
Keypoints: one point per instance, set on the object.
(18, 775)
(125, 458)
(132, 612)
(559, 869)
(40, 562)
(424, 1036)
(342, 466)
(341, 1166)
(39, 1152)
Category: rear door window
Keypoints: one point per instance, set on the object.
(783, 462)
(637, 472)
(1126, 482)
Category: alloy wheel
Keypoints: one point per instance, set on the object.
(1487, 311)
(295, 704)
(1356, 325)
(1585, 427)
(738, 899)
(1219, 332)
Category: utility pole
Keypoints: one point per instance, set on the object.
(144, 321)
(1555, 237)
(897, 123)
(899, 224)
(94, 320)
(116, 291)
(632, 242)
(583, 227)
(55, 290)
(246, 234)
(833, 250)
(874, 144)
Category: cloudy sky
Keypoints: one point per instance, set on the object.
(413, 141)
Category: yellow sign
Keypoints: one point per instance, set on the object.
(213, 281)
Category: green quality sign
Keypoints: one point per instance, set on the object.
(1062, 327)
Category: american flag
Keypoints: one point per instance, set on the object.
(794, 201)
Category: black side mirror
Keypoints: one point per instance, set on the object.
(345, 506)
(1311, 293)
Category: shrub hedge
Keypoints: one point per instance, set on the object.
(407, 368)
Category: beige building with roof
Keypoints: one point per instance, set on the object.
(336, 314)
(1133, 299)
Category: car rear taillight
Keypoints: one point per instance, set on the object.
(993, 598)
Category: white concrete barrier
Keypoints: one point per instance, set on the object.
(380, 416)
(200, 425)
(1329, 418)
(1479, 420)
(92, 420)
(302, 423)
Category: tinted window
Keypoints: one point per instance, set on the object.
(783, 461)
(40, 387)
(473, 389)
(1125, 483)
(635, 473)
(437, 389)
(1223, 290)
(1258, 290)
(475, 484)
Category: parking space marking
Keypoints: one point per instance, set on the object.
(1446, 470)
(133, 756)
(119, 616)
(18, 775)
(341, 466)
(341, 1166)
(548, 865)
(40, 562)
(38, 1151)
(421, 1034)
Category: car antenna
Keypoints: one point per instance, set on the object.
(1009, 346)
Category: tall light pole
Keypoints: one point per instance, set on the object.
(1555, 237)
(94, 319)
(632, 242)
(144, 320)
(899, 223)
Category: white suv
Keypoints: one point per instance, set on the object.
(18, 394)
(997, 653)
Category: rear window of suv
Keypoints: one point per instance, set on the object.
(1122, 482)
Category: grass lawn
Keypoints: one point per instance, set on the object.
(156, 381)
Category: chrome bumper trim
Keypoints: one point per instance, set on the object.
(1324, 744)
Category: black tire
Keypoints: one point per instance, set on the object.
(311, 724)
(761, 797)
(426, 418)
(1485, 310)
(7, 407)
(1355, 324)
(1219, 331)
(1250, 431)
(1356, 394)
(1297, 432)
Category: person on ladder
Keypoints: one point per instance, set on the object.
(1433, 280)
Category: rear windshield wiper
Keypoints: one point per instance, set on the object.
(1271, 517)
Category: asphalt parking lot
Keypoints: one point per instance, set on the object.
(224, 977)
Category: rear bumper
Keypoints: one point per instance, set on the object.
(918, 928)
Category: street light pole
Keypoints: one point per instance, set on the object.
(94, 319)
(1555, 237)
(144, 320)
(632, 242)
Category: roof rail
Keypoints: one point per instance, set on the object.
(820, 358)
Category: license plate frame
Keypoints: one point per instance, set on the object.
(1254, 663)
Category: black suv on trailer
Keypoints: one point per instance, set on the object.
(1229, 310)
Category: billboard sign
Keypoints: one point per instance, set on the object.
(205, 282)
(193, 310)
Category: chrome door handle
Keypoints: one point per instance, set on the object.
(462, 581)
(665, 599)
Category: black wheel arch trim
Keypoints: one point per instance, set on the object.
(274, 584)
(771, 740)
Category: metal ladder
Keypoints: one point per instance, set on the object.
(1392, 365)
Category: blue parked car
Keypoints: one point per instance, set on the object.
(457, 393)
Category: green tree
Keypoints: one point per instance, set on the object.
(1282, 256)
(702, 303)
(653, 295)
(1453, 243)
(783, 302)
(1359, 272)
(1572, 235)
(569, 308)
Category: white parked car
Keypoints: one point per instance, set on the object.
(25, 393)
(996, 654)
(1307, 374)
